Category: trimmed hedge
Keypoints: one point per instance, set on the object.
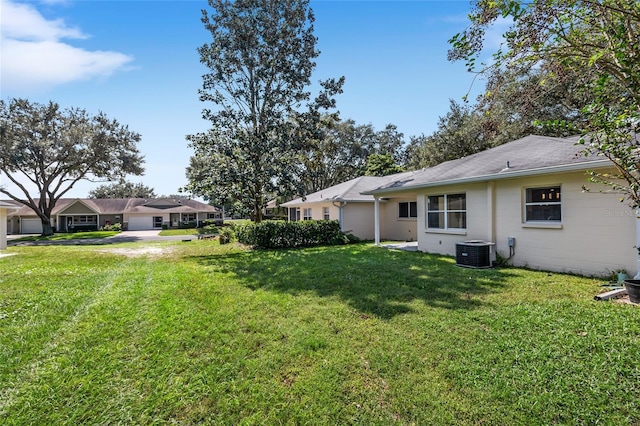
(278, 234)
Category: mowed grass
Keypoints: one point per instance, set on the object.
(70, 236)
(210, 334)
(170, 232)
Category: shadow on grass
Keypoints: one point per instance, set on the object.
(374, 281)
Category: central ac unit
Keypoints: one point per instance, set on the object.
(474, 254)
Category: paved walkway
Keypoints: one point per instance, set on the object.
(406, 246)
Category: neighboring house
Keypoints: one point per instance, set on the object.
(75, 214)
(355, 212)
(5, 209)
(530, 191)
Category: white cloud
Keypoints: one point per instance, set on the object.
(34, 55)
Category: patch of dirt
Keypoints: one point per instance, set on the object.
(139, 251)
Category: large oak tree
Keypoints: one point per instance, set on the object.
(51, 149)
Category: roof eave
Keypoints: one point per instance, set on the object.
(598, 164)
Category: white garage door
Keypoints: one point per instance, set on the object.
(31, 226)
(140, 223)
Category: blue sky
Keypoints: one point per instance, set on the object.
(137, 62)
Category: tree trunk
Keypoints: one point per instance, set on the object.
(47, 229)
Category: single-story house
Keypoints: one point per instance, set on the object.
(355, 212)
(73, 214)
(5, 208)
(527, 199)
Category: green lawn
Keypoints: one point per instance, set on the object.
(200, 333)
(70, 236)
(169, 232)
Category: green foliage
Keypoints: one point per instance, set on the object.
(590, 46)
(458, 134)
(226, 235)
(260, 61)
(113, 227)
(188, 224)
(122, 189)
(279, 234)
(56, 148)
(337, 151)
(381, 165)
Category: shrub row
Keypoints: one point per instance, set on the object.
(278, 234)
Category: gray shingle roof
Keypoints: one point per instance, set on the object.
(527, 156)
(121, 205)
(350, 190)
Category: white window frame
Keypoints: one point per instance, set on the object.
(409, 215)
(445, 211)
(325, 213)
(296, 214)
(307, 214)
(556, 200)
(84, 219)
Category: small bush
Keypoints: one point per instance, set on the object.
(279, 234)
(188, 225)
(226, 235)
(208, 229)
(114, 227)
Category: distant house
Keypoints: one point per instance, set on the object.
(355, 212)
(74, 214)
(528, 192)
(5, 209)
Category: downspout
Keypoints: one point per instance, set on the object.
(376, 220)
(340, 206)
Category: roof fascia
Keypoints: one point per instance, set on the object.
(599, 164)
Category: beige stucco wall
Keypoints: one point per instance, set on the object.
(478, 216)
(358, 220)
(393, 227)
(3, 228)
(597, 233)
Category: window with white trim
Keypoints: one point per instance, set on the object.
(188, 217)
(447, 211)
(407, 209)
(307, 213)
(84, 219)
(543, 204)
(294, 214)
(325, 213)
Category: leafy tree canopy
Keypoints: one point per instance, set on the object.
(122, 189)
(260, 62)
(53, 148)
(339, 149)
(382, 165)
(595, 41)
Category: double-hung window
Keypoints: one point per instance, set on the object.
(447, 211)
(307, 213)
(543, 204)
(325, 213)
(407, 209)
